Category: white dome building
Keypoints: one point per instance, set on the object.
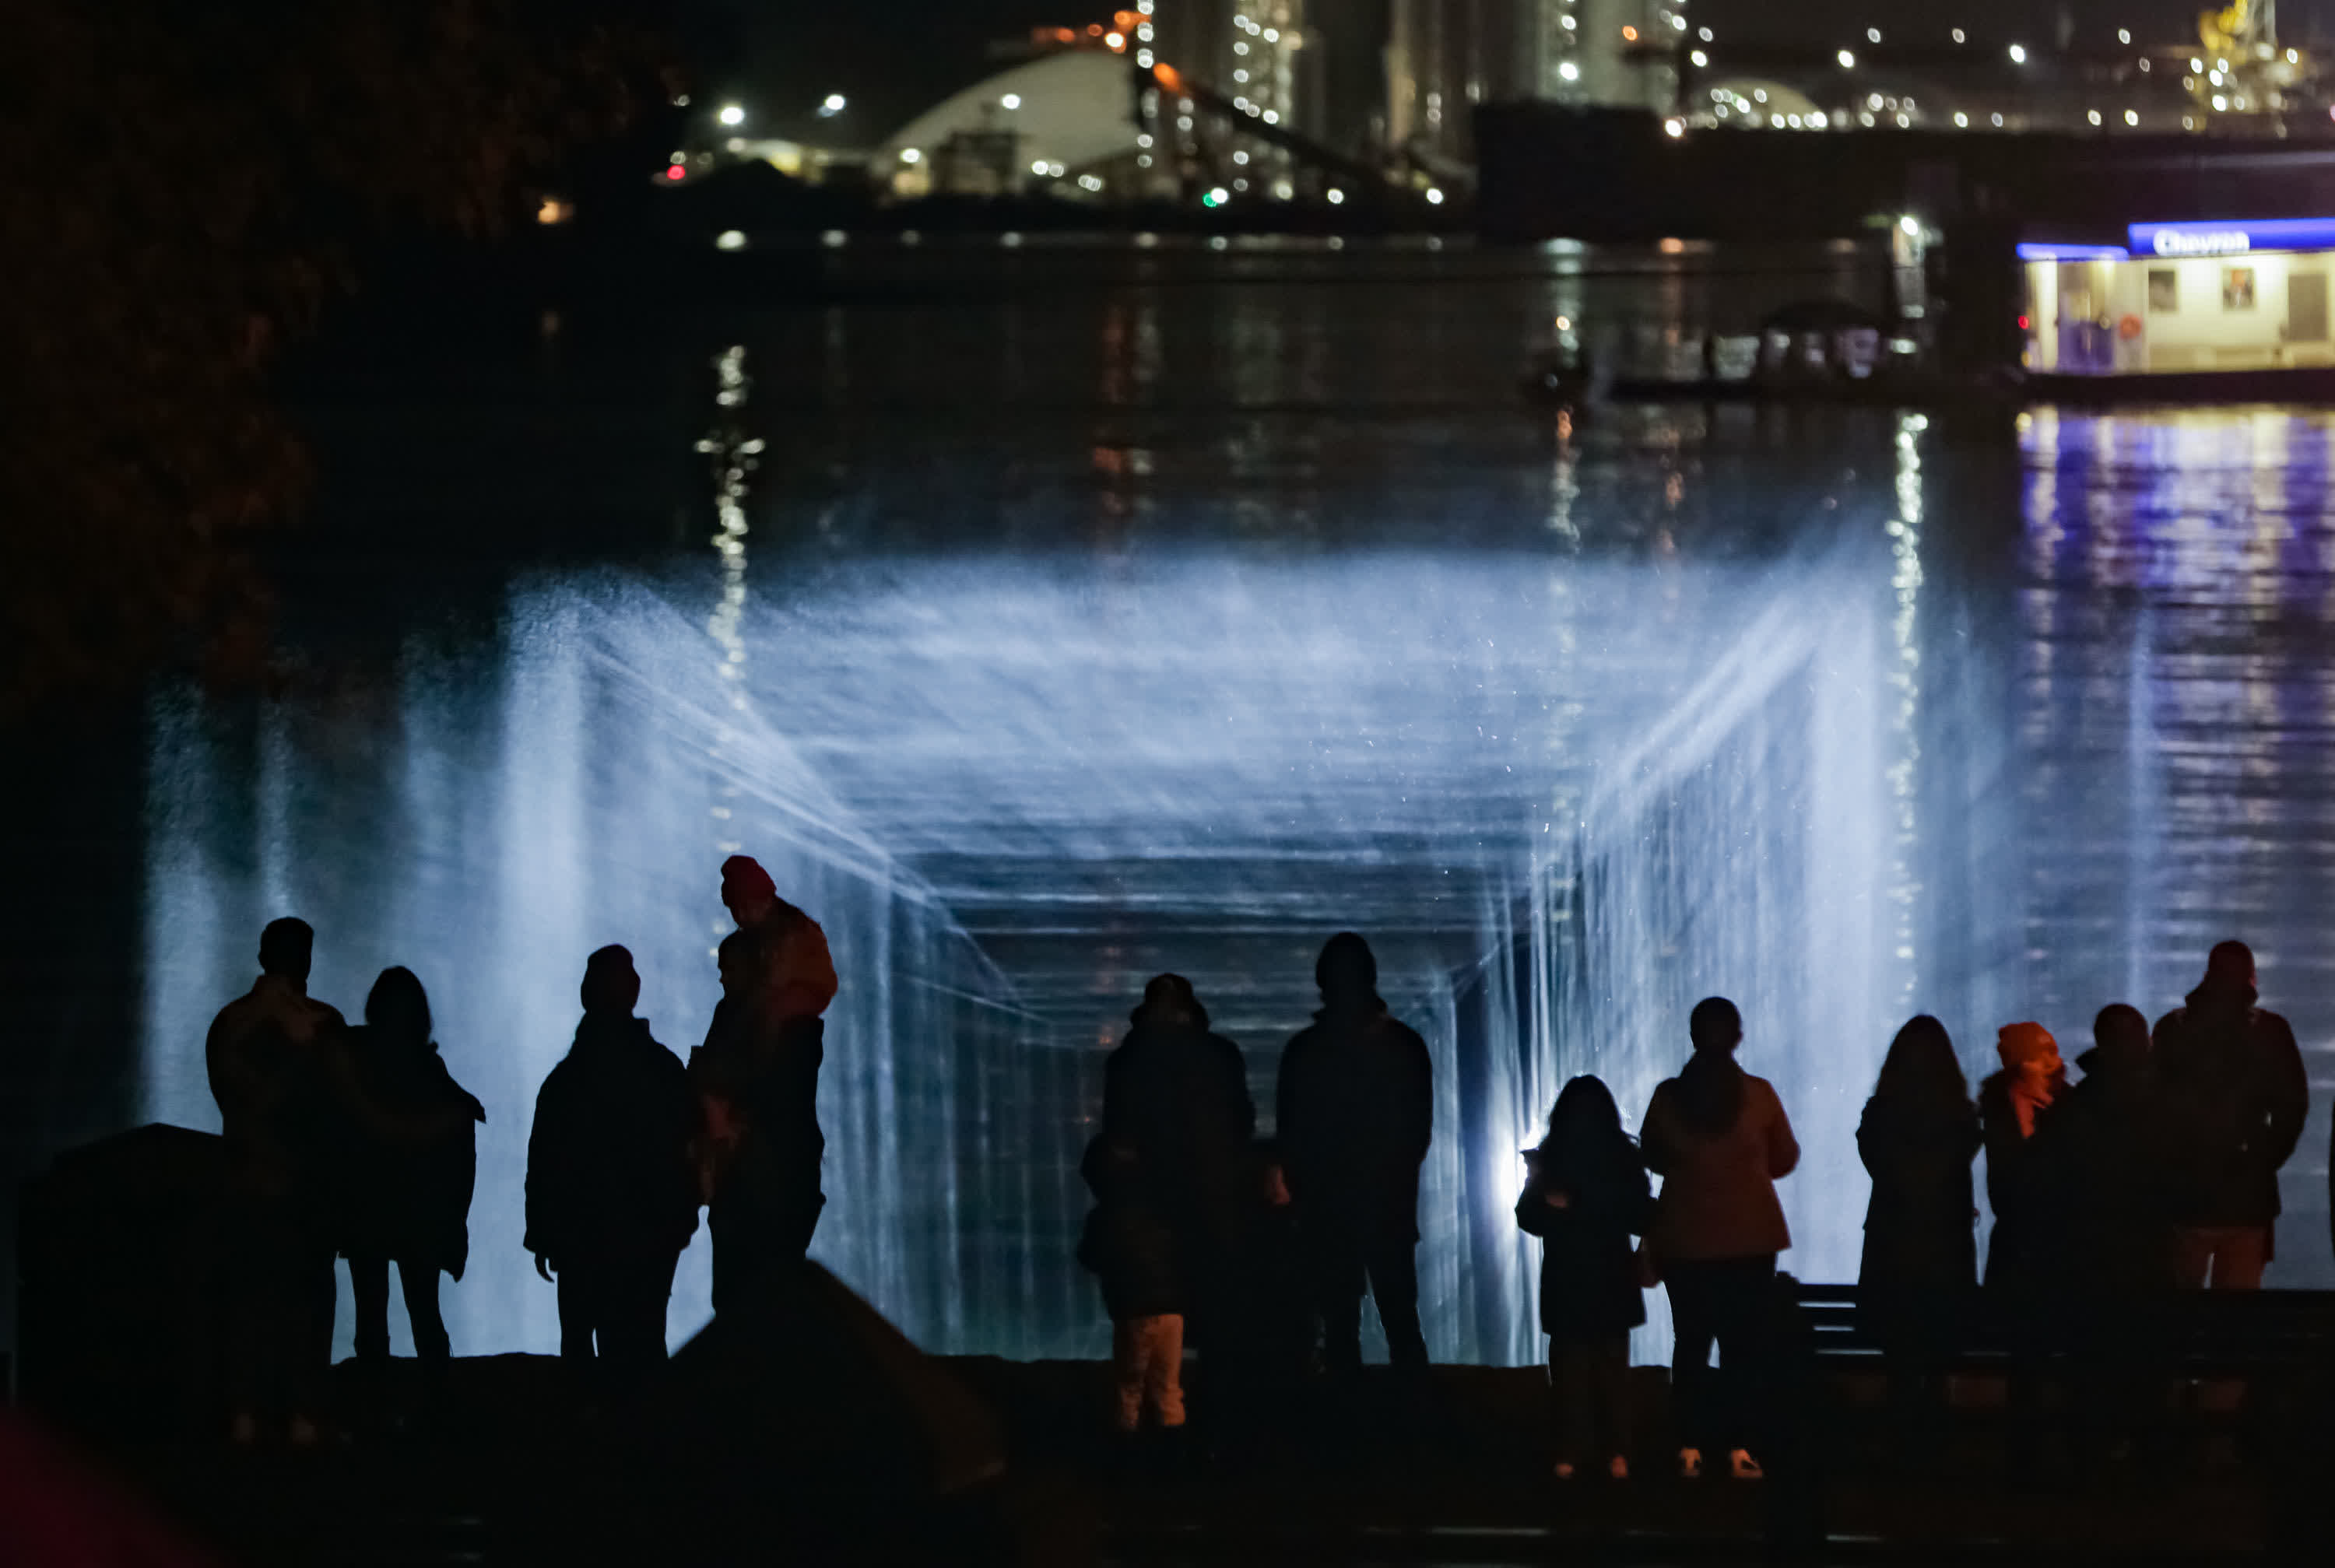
(1060, 116)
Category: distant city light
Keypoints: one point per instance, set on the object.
(1629, 34)
(1873, 34)
(1569, 70)
(1273, 35)
(2143, 63)
(1997, 122)
(731, 115)
(1434, 196)
(554, 211)
(2093, 115)
(2220, 103)
(678, 157)
(675, 171)
(1911, 225)
(2132, 117)
(1960, 37)
(1090, 182)
(681, 100)
(1272, 118)
(1847, 60)
(1011, 101)
(910, 155)
(1337, 197)
(834, 104)
(1216, 196)
(2195, 64)
(1961, 120)
(1674, 126)
(2124, 34)
(1240, 158)
(1567, 23)
(1700, 58)
(1565, 324)
(729, 239)
(2294, 57)
(1114, 40)
(2018, 54)
(1704, 35)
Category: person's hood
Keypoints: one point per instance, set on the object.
(1359, 1007)
(2019, 1043)
(610, 1033)
(2220, 999)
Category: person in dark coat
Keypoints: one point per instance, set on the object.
(410, 1200)
(1917, 1138)
(1175, 1099)
(1130, 1247)
(271, 1054)
(2119, 1241)
(2112, 1122)
(1586, 1195)
(1356, 1112)
(2235, 1098)
(2026, 1175)
(612, 1189)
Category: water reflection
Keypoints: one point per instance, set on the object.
(1199, 626)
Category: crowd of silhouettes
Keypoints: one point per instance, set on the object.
(358, 1143)
(2159, 1169)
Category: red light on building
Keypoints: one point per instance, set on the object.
(2022, 324)
(675, 171)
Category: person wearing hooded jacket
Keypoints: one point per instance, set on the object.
(1355, 1106)
(1175, 1101)
(1720, 1140)
(2026, 1171)
(2235, 1098)
(1586, 1196)
(756, 1081)
(611, 1189)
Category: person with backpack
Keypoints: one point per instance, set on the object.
(1586, 1196)
(1720, 1140)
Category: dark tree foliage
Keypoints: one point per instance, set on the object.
(186, 185)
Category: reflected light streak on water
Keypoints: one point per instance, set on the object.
(1579, 724)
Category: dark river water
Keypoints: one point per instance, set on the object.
(1046, 617)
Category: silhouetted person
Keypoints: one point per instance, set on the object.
(2119, 1241)
(612, 1190)
(409, 1200)
(1356, 1111)
(1175, 1099)
(1586, 1195)
(2027, 1177)
(1917, 1138)
(2235, 1097)
(266, 1055)
(2113, 1125)
(1720, 1140)
(1129, 1245)
(756, 1081)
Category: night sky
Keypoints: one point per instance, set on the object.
(896, 58)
